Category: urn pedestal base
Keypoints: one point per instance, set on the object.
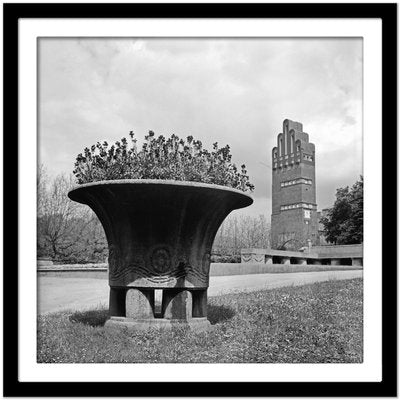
(115, 324)
(134, 309)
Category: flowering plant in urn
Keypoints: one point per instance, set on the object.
(161, 158)
(160, 207)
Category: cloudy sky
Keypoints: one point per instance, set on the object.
(233, 91)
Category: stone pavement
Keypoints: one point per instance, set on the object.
(58, 293)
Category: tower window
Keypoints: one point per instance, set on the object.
(297, 181)
(306, 206)
(307, 157)
(292, 143)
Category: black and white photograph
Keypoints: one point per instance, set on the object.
(200, 200)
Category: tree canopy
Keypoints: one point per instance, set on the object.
(343, 223)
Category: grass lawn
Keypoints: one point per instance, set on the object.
(317, 323)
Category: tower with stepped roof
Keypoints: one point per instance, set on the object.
(294, 220)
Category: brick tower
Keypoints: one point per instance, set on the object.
(294, 217)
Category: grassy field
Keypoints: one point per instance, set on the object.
(317, 323)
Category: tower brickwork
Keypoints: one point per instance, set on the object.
(294, 218)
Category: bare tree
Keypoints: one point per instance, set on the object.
(67, 231)
(240, 232)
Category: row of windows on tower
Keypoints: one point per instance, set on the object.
(286, 156)
(307, 157)
(287, 163)
(297, 205)
(282, 164)
(296, 182)
(285, 168)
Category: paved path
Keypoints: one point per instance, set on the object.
(58, 293)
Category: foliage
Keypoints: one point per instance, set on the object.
(66, 230)
(234, 258)
(241, 231)
(344, 221)
(161, 158)
(318, 323)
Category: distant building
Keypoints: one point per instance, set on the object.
(294, 220)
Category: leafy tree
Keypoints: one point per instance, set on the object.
(343, 223)
(161, 158)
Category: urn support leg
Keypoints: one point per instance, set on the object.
(117, 302)
(177, 304)
(139, 303)
(199, 303)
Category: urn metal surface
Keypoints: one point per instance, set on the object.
(160, 234)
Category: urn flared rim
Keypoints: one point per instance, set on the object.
(160, 182)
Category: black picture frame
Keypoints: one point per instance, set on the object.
(12, 12)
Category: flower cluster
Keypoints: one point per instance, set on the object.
(161, 158)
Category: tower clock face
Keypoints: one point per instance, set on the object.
(307, 214)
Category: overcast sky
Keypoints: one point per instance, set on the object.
(233, 91)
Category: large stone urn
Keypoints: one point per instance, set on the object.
(160, 235)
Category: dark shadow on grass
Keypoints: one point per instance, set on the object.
(91, 317)
(217, 314)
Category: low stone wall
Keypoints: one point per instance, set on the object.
(333, 255)
(90, 273)
(341, 251)
(216, 269)
(248, 268)
(44, 261)
(73, 267)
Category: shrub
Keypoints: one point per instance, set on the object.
(161, 158)
(234, 258)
